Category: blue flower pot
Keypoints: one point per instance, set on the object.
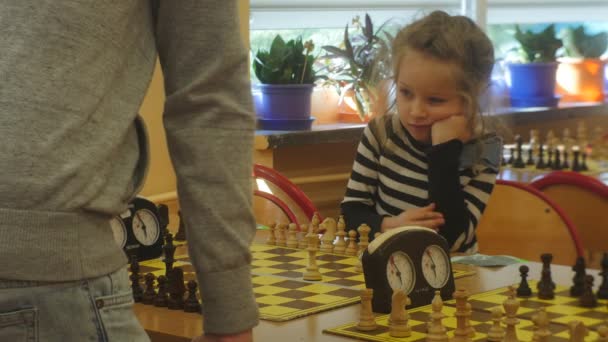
(284, 101)
(532, 84)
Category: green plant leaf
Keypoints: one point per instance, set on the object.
(337, 52)
(369, 28)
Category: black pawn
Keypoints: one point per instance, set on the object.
(576, 167)
(169, 251)
(192, 304)
(550, 158)
(588, 298)
(565, 163)
(524, 289)
(546, 286)
(149, 293)
(557, 163)
(162, 298)
(511, 159)
(578, 282)
(138, 291)
(176, 289)
(540, 163)
(519, 161)
(584, 164)
(602, 292)
(530, 160)
(181, 229)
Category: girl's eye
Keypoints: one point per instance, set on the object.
(437, 100)
(405, 92)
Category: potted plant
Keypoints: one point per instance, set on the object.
(360, 65)
(532, 81)
(580, 75)
(287, 79)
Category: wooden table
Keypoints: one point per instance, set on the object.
(179, 326)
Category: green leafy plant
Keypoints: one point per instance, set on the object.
(579, 44)
(359, 66)
(538, 47)
(285, 63)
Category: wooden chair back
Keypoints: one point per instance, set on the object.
(520, 221)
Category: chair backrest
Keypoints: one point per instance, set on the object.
(282, 194)
(585, 200)
(520, 221)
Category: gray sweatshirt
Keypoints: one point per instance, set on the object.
(73, 151)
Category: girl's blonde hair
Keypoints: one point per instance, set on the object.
(453, 39)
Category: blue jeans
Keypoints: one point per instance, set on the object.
(99, 309)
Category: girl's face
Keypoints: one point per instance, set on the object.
(426, 93)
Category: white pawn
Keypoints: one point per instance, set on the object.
(340, 245)
(541, 321)
(496, 332)
(280, 230)
(351, 249)
(436, 330)
(272, 240)
(292, 240)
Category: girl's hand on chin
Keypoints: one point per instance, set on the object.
(452, 127)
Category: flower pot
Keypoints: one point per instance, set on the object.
(532, 84)
(283, 106)
(581, 79)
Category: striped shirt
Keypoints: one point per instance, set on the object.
(392, 173)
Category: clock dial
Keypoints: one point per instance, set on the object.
(400, 272)
(119, 231)
(435, 266)
(145, 227)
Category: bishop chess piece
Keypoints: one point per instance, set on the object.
(181, 228)
(578, 282)
(169, 251)
(367, 321)
(496, 332)
(138, 291)
(176, 289)
(162, 297)
(437, 332)
(398, 319)
(546, 286)
(149, 293)
(588, 298)
(519, 161)
(524, 289)
(540, 163)
(192, 304)
(602, 292)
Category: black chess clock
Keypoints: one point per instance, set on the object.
(139, 230)
(413, 259)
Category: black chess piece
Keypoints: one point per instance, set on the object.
(576, 167)
(138, 291)
(162, 297)
(524, 289)
(191, 304)
(588, 298)
(584, 163)
(511, 159)
(149, 293)
(540, 163)
(163, 218)
(565, 163)
(181, 229)
(530, 160)
(557, 164)
(176, 289)
(546, 286)
(578, 282)
(549, 158)
(519, 161)
(602, 292)
(169, 251)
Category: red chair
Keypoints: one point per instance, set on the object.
(281, 192)
(585, 201)
(521, 221)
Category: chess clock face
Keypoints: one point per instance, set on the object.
(145, 227)
(412, 259)
(119, 230)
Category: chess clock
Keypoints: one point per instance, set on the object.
(413, 259)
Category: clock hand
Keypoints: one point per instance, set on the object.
(143, 225)
(397, 270)
(433, 267)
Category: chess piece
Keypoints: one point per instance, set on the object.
(550, 141)
(312, 270)
(398, 320)
(540, 163)
(292, 240)
(163, 219)
(314, 223)
(149, 293)
(280, 234)
(524, 289)
(363, 230)
(511, 159)
(176, 289)
(546, 286)
(340, 245)
(138, 291)
(584, 163)
(162, 297)
(302, 241)
(272, 239)
(549, 158)
(602, 292)
(462, 331)
(519, 161)
(579, 277)
(181, 228)
(578, 331)
(565, 162)
(588, 298)
(602, 332)
(530, 160)
(576, 166)
(511, 305)
(169, 251)
(192, 304)
(367, 321)
(327, 241)
(351, 249)
(437, 332)
(557, 163)
(496, 332)
(541, 322)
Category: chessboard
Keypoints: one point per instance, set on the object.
(561, 310)
(280, 292)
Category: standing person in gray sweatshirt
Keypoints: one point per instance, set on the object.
(73, 152)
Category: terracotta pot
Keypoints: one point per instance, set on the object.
(581, 79)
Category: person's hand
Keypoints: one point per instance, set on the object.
(424, 217)
(452, 127)
(245, 336)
